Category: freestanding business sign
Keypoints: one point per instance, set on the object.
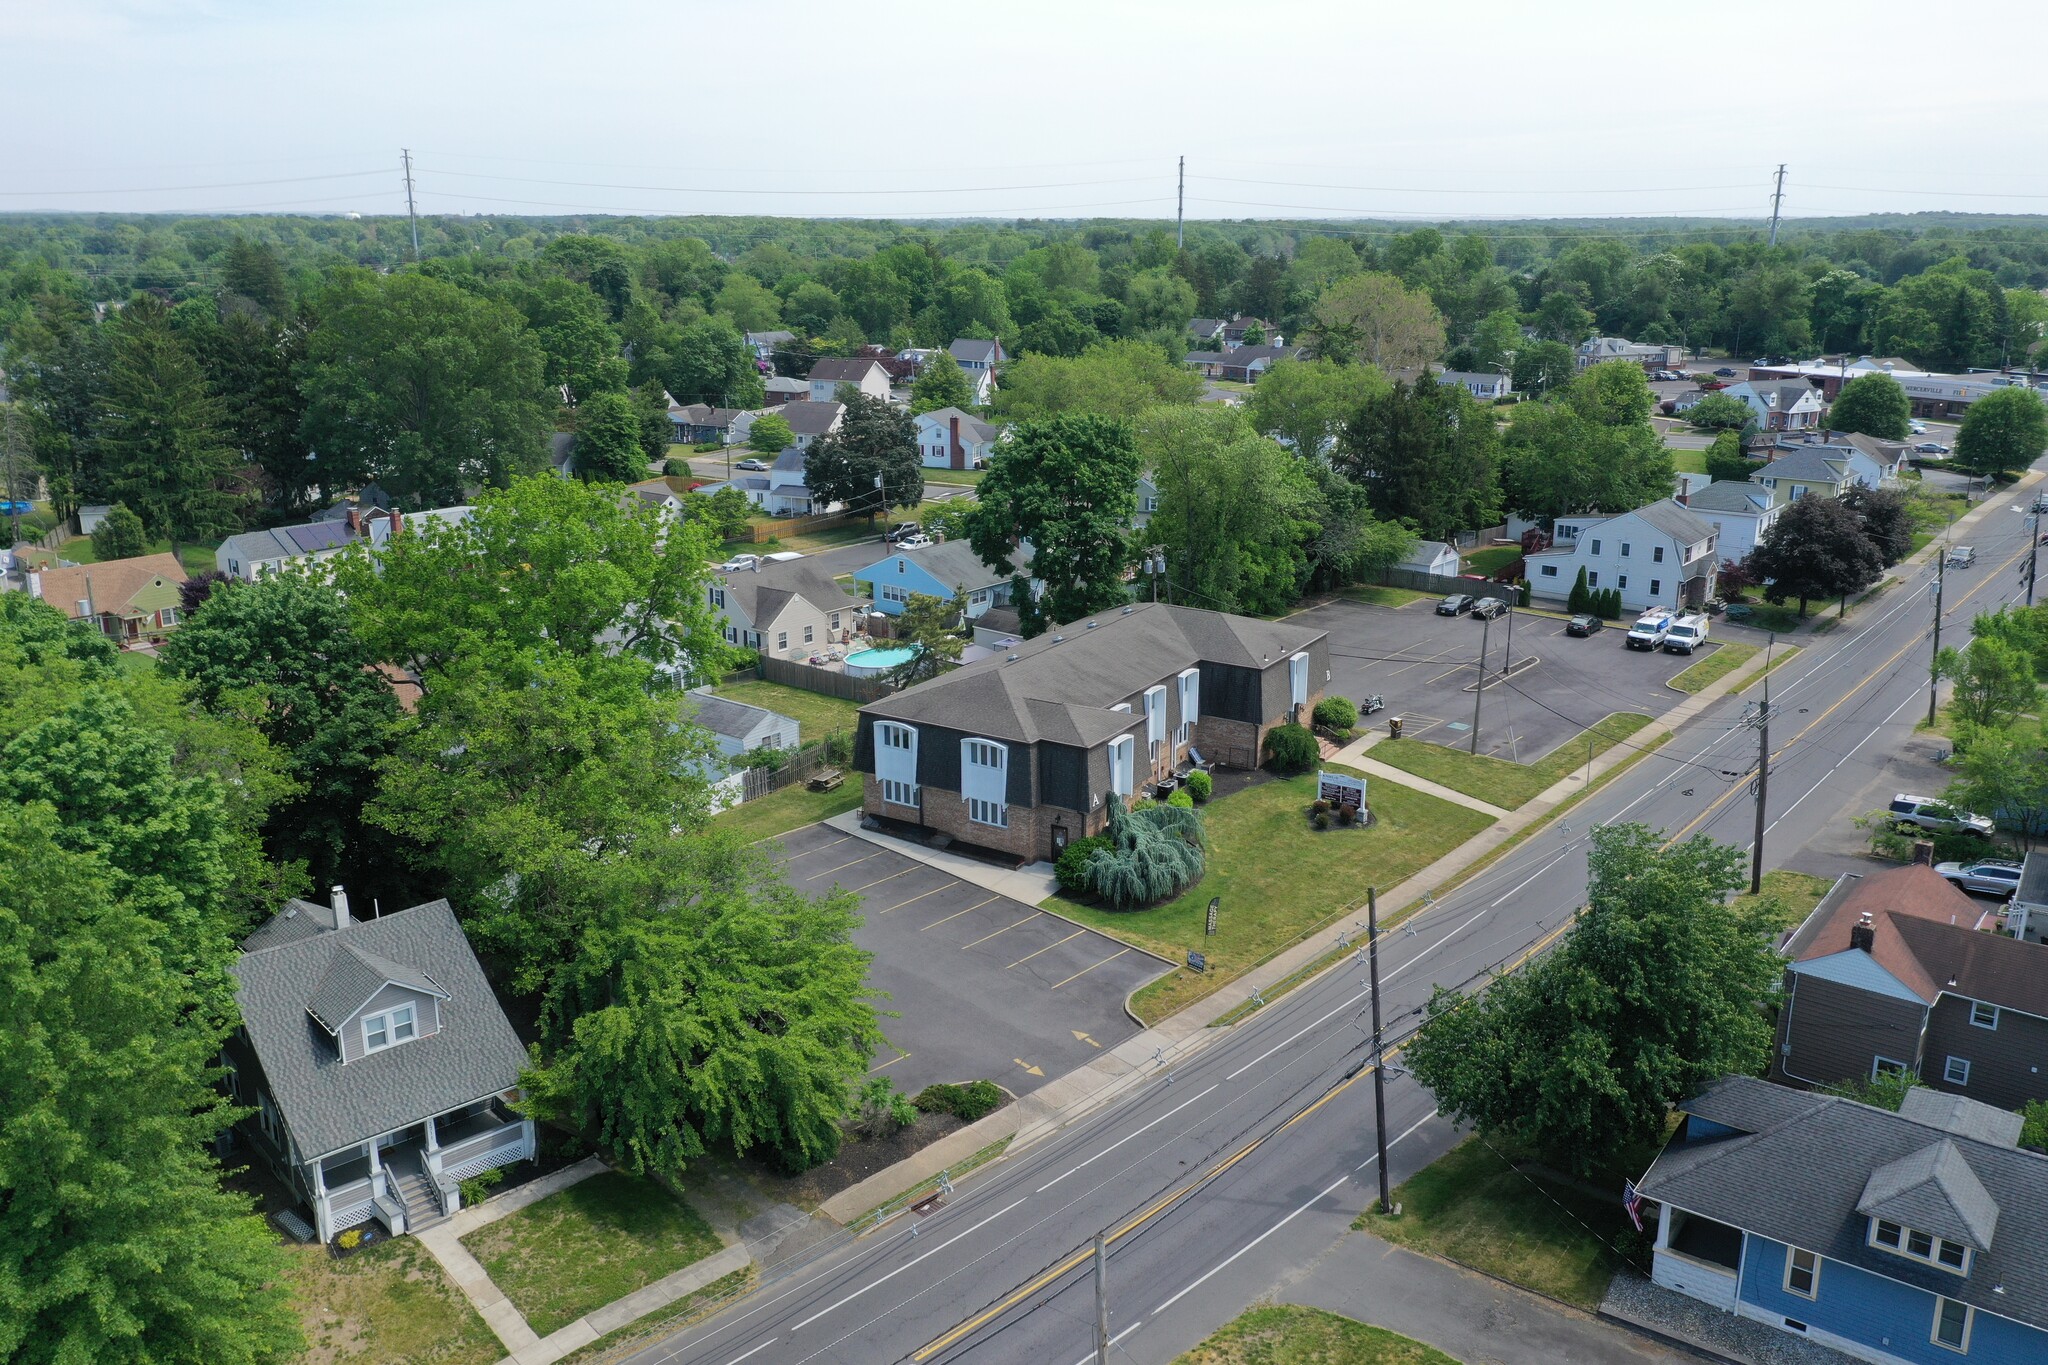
(1341, 790)
(1215, 904)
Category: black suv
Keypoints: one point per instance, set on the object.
(1456, 604)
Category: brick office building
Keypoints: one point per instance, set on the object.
(1019, 752)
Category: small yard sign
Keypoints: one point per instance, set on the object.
(1198, 961)
(1340, 790)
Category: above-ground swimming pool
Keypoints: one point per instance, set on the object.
(872, 663)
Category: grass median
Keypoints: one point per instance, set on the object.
(1278, 880)
(1724, 659)
(791, 808)
(1495, 780)
(1288, 1334)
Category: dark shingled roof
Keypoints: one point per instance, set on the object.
(811, 419)
(328, 1106)
(836, 371)
(1802, 1165)
(299, 919)
(353, 975)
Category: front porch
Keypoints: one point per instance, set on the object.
(1697, 1257)
(411, 1178)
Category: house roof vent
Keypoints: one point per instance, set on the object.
(1057, 638)
(1127, 611)
(1093, 624)
(1012, 659)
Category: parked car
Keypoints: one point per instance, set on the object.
(1725, 373)
(1687, 633)
(1993, 877)
(1456, 604)
(782, 556)
(1962, 556)
(1916, 426)
(1583, 625)
(1650, 629)
(752, 465)
(1486, 608)
(740, 564)
(1924, 812)
(1930, 448)
(916, 541)
(902, 529)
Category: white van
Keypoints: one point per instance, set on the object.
(1650, 628)
(1687, 633)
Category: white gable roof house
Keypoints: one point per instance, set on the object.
(1433, 556)
(1484, 387)
(868, 376)
(948, 438)
(792, 608)
(1740, 512)
(736, 727)
(1660, 555)
(1780, 405)
(1870, 462)
(979, 359)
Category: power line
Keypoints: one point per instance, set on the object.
(173, 189)
(1413, 189)
(713, 189)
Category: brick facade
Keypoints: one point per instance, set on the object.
(1029, 835)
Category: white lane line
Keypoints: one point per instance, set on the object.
(1533, 876)
(1282, 1223)
(1839, 765)
(1121, 1141)
(756, 1351)
(1089, 1359)
(1353, 1000)
(905, 1266)
(1390, 1146)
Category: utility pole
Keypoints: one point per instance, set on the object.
(1763, 773)
(1379, 1061)
(411, 213)
(10, 449)
(1479, 687)
(1777, 198)
(1101, 1301)
(1180, 207)
(1507, 657)
(1934, 660)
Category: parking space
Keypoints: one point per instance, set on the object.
(983, 984)
(1554, 686)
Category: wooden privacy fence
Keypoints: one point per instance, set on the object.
(758, 531)
(756, 783)
(822, 680)
(1419, 581)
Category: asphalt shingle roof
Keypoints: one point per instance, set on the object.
(328, 1106)
(1803, 1163)
(1967, 1117)
(971, 349)
(1812, 465)
(836, 371)
(722, 716)
(1933, 1190)
(1675, 521)
(299, 919)
(811, 419)
(771, 586)
(952, 562)
(1730, 495)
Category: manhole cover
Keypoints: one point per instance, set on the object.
(925, 1207)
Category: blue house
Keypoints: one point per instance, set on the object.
(941, 571)
(1909, 1237)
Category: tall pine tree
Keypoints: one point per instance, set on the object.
(159, 432)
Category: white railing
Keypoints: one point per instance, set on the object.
(499, 1147)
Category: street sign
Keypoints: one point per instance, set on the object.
(1215, 904)
(1198, 961)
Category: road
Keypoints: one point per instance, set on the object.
(1254, 1152)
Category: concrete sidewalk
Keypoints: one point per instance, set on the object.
(1354, 755)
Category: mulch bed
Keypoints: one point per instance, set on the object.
(857, 1160)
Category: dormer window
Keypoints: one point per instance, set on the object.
(389, 1029)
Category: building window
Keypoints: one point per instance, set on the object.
(169, 616)
(1621, 582)
(1624, 549)
(835, 620)
(1885, 1066)
(894, 736)
(718, 597)
(987, 813)
(1957, 1072)
(388, 1029)
(1550, 570)
(782, 639)
(1952, 1254)
(1593, 576)
(1802, 1274)
(1656, 586)
(1984, 1015)
(1887, 1234)
(892, 593)
(1952, 1323)
(1657, 555)
(898, 793)
(1596, 547)
(807, 633)
(982, 754)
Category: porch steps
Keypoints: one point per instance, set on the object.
(422, 1208)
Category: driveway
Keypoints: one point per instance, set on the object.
(1424, 664)
(984, 985)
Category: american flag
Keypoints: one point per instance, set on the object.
(1632, 1200)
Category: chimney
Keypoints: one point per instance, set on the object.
(953, 452)
(1863, 933)
(355, 521)
(338, 898)
(397, 523)
(1923, 853)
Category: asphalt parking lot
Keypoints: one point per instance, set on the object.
(984, 985)
(1424, 664)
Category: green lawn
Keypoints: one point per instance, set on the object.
(816, 715)
(388, 1305)
(791, 808)
(1796, 892)
(1783, 619)
(1492, 559)
(955, 476)
(1471, 1206)
(1287, 1334)
(197, 559)
(596, 1241)
(1689, 461)
(1724, 659)
(1375, 596)
(1495, 780)
(1279, 878)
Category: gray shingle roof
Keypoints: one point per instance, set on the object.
(836, 371)
(1202, 358)
(969, 348)
(328, 1106)
(780, 383)
(1966, 1117)
(971, 426)
(1933, 1190)
(299, 919)
(1061, 685)
(1729, 495)
(952, 562)
(772, 585)
(253, 547)
(722, 716)
(353, 975)
(811, 419)
(1812, 466)
(1676, 522)
(1803, 1163)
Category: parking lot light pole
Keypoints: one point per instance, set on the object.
(1479, 683)
(1934, 660)
(1508, 657)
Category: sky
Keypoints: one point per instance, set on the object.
(1283, 108)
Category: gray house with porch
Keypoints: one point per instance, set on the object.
(380, 1066)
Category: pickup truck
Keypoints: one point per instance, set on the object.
(1650, 629)
(1686, 634)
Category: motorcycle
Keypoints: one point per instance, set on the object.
(1373, 703)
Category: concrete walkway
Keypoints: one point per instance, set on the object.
(1353, 755)
(444, 1243)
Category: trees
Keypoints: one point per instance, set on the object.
(1726, 460)
(251, 364)
(650, 412)
(1543, 366)
(1112, 379)
(255, 271)
(117, 1242)
(712, 364)
(1425, 453)
(1873, 404)
(770, 434)
(157, 431)
(579, 345)
(119, 535)
(2002, 433)
(428, 389)
(1376, 319)
(1068, 485)
(608, 446)
(1580, 598)
(1151, 856)
(1591, 447)
(1816, 548)
(926, 626)
(286, 642)
(1994, 682)
(1304, 403)
(1658, 989)
(940, 383)
(1719, 412)
(1563, 319)
(2004, 772)
(1886, 520)
(1233, 508)
(870, 463)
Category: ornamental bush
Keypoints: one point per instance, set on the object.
(1182, 799)
(1336, 713)
(1070, 869)
(1154, 855)
(1290, 748)
(1200, 784)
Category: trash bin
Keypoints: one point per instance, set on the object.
(1394, 727)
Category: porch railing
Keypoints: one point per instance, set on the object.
(498, 1147)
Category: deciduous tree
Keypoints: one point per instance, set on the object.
(940, 383)
(1376, 319)
(712, 364)
(870, 462)
(1113, 379)
(119, 535)
(1816, 548)
(1305, 403)
(1068, 485)
(1873, 404)
(770, 434)
(928, 628)
(608, 440)
(1994, 682)
(1543, 366)
(1235, 510)
(1886, 520)
(1426, 454)
(1719, 412)
(2002, 432)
